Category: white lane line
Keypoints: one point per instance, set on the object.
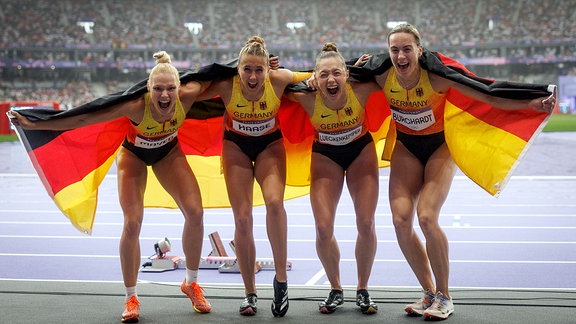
(314, 279)
(176, 239)
(145, 224)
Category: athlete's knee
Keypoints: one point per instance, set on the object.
(131, 227)
(193, 213)
(324, 232)
(428, 223)
(275, 206)
(365, 226)
(402, 222)
(243, 223)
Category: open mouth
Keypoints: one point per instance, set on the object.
(403, 66)
(252, 85)
(332, 90)
(164, 104)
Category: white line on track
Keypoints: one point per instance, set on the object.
(79, 237)
(319, 274)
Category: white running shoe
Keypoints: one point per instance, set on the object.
(418, 308)
(441, 308)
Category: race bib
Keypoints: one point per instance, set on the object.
(151, 143)
(415, 120)
(256, 128)
(340, 138)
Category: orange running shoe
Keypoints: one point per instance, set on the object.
(130, 313)
(196, 295)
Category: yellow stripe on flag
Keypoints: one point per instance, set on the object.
(212, 186)
(486, 154)
(383, 142)
(78, 201)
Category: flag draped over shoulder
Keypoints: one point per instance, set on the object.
(72, 164)
(485, 142)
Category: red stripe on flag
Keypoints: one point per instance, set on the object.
(73, 154)
(201, 137)
(521, 123)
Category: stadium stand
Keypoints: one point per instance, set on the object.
(75, 50)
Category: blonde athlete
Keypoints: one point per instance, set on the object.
(253, 150)
(152, 140)
(342, 149)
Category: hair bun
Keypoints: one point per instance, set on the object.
(330, 47)
(162, 57)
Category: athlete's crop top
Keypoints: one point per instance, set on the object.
(338, 127)
(252, 118)
(419, 110)
(152, 134)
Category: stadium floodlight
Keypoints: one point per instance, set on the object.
(87, 25)
(293, 25)
(194, 27)
(393, 23)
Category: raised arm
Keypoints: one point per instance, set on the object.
(542, 104)
(132, 109)
(191, 92)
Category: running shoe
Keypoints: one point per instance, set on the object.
(130, 313)
(280, 303)
(418, 308)
(249, 305)
(334, 300)
(367, 306)
(441, 308)
(196, 295)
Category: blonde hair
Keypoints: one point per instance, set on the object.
(330, 50)
(255, 46)
(406, 28)
(164, 65)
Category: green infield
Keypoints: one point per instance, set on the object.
(8, 138)
(561, 123)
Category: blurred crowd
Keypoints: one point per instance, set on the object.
(228, 23)
(460, 28)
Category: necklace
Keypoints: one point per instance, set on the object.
(409, 84)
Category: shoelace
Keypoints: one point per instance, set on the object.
(198, 293)
(132, 304)
(332, 297)
(438, 301)
(250, 300)
(427, 298)
(364, 299)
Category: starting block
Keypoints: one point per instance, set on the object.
(161, 264)
(219, 259)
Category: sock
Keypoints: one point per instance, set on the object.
(130, 291)
(191, 276)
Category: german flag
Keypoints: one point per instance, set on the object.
(72, 164)
(486, 143)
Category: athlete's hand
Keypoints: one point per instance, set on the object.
(312, 83)
(18, 120)
(274, 63)
(545, 104)
(362, 59)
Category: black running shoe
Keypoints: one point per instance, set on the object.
(367, 306)
(335, 299)
(248, 307)
(280, 303)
